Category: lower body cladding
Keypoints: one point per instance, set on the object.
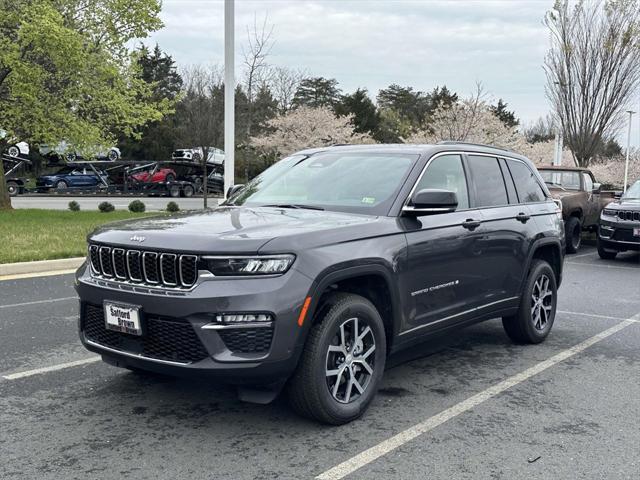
(618, 236)
(182, 333)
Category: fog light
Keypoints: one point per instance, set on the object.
(239, 318)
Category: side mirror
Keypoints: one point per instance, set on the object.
(233, 189)
(431, 201)
(597, 187)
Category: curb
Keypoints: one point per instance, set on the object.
(40, 266)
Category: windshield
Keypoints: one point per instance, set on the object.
(345, 181)
(567, 179)
(633, 192)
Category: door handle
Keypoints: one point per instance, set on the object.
(523, 217)
(471, 224)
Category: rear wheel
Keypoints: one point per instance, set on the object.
(61, 185)
(187, 191)
(534, 319)
(604, 253)
(13, 188)
(71, 157)
(573, 234)
(13, 151)
(170, 178)
(113, 155)
(342, 363)
(174, 190)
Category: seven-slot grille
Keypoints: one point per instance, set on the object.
(148, 268)
(628, 215)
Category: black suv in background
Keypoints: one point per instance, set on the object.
(619, 228)
(309, 276)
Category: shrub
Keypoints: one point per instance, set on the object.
(74, 206)
(172, 207)
(106, 207)
(136, 206)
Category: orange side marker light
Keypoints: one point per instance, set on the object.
(303, 312)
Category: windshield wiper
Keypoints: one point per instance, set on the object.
(294, 205)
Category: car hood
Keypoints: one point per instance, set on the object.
(238, 230)
(625, 204)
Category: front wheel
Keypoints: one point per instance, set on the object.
(13, 151)
(61, 185)
(534, 319)
(342, 363)
(604, 253)
(13, 188)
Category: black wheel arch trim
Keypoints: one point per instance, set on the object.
(537, 244)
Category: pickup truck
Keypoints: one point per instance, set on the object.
(582, 200)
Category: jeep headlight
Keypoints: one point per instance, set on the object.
(247, 266)
(608, 212)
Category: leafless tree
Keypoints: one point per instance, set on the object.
(592, 69)
(283, 83)
(201, 112)
(542, 130)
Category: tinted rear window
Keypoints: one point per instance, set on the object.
(529, 190)
(489, 184)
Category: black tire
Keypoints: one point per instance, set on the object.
(113, 155)
(13, 151)
(61, 185)
(523, 327)
(196, 157)
(187, 191)
(573, 234)
(13, 189)
(71, 157)
(170, 178)
(604, 253)
(309, 387)
(174, 190)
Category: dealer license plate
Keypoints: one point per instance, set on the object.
(122, 318)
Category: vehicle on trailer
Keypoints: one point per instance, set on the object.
(15, 150)
(73, 176)
(159, 178)
(155, 175)
(620, 224)
(582, 200)
(16, 184)
(66, 151)
(194, 173)
(311, 274)
(214, 156)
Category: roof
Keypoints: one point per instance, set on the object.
(563, 168)
(417, 148)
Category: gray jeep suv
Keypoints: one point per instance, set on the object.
(310, 275)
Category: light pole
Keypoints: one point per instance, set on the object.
(557, 154)
(626, 163)
(229, 96)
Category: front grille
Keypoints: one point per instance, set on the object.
(163, 338)
(147, 268)
(629, 215)
(247, 340)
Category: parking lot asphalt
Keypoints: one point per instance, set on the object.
(469, 405)
(91, 202)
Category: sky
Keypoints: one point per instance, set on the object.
(373, 43)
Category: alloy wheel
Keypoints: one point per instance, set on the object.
(541, 303)
(350, 364)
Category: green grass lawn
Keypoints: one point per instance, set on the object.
(27, 235)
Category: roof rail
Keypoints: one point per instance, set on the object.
(453, 142)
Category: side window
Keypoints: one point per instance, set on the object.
(588, 183)
(529, 190)
(508, 180)
(446, 173)
(488, 181)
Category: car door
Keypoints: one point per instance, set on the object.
(505, 227)
(442, 279)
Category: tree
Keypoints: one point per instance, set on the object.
(441, 96)
(201, 113)
(365, 114)
(317, 92)
(307, 127)
(283, 84)
(504, 115)
(410, 105)
(592, 69)
(66, 72)
(157, 139)
(542, 130)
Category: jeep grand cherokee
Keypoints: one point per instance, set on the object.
(310, 275)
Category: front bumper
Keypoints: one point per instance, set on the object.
(618, 235)
(174, 340)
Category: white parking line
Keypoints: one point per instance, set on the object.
(36, 302)
(349, 466)
(584, 254)
(586, 264)
(52, 368)
(593, 315)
